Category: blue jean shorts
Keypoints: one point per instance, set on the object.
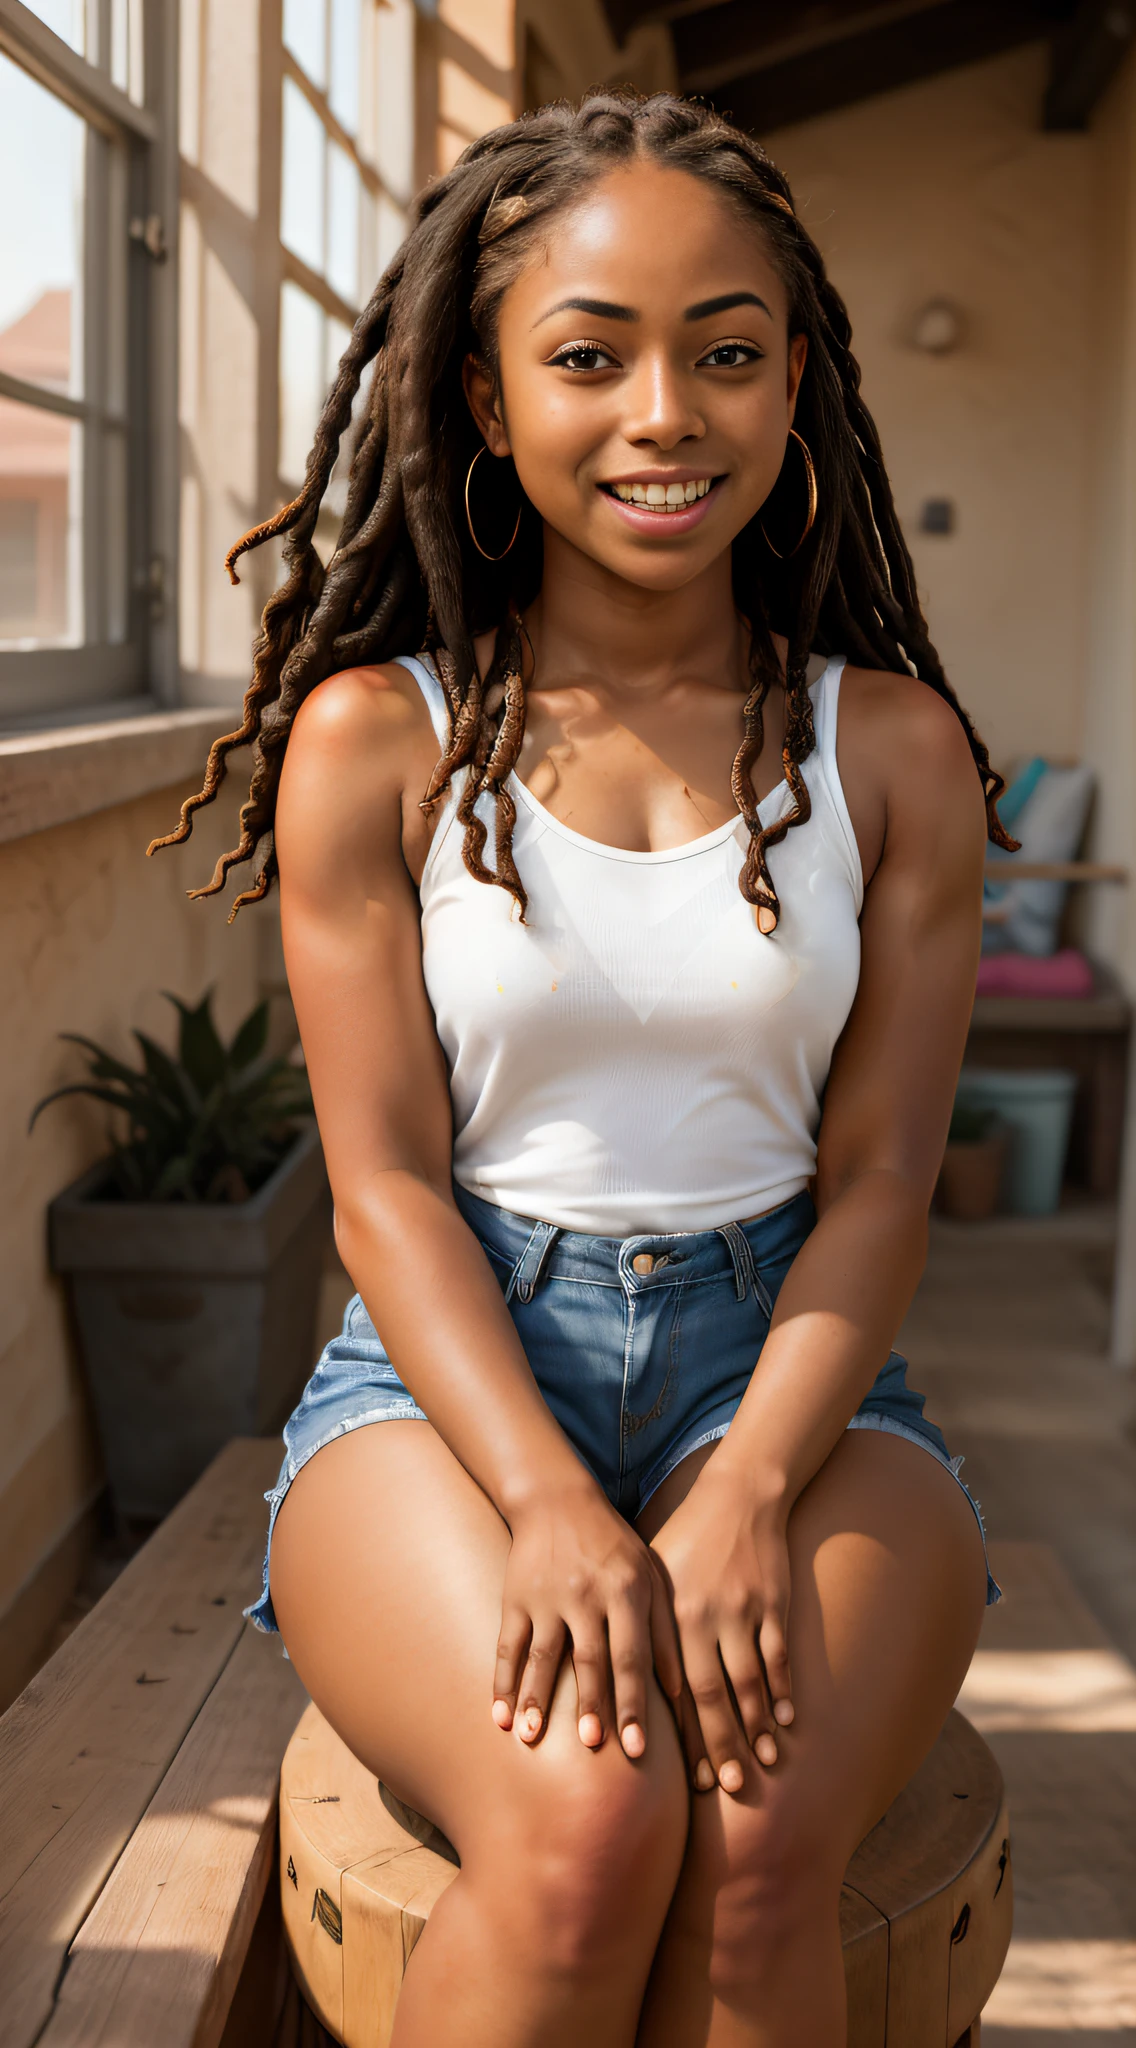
(642, 1347)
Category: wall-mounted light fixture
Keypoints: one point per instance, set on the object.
(938, 327)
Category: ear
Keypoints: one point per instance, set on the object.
(484, 403)
(798, 353)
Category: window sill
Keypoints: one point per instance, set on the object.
(49, 778)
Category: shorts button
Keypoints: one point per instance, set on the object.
(643, 1262)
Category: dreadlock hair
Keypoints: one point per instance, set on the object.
(405, 576)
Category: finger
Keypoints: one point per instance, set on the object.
(664, 1639)
(593, 1692)
(746, 1676)
(534, 1694)
(722, 1733)
(512, 1650)
(775, 1657)
(690, 1735)
(629, 1642)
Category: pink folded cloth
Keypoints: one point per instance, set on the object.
(1021, 974)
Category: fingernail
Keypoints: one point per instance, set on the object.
(731, 1777)
(502, 1713)
(784, 1712)
(591, 1730)
(530, 1723)
(704, 1774)
(765, 1749)
(633, 1739)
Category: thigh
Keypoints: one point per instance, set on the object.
(888, 1591)
(387, 1573)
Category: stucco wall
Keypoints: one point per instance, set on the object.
(90, 933)
(950, 189)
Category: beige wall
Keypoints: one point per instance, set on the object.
(950, 189)
(90, 933)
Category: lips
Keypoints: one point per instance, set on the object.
(660, 497)
(656, 508)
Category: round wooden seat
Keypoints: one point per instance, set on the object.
(925, 1911)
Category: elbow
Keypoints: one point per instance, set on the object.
(897, 1192)
(375, 1215)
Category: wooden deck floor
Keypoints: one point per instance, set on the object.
(1007, 1338)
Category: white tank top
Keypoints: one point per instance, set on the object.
(637, 1057)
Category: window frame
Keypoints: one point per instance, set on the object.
(43, 686)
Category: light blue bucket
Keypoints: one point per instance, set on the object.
(1038, 1107)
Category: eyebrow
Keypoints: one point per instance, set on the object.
(607, 309)
(600, 309)
(706, 307)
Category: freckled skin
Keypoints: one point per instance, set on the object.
(631, 1875)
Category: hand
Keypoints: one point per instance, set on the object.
(579, 1578)
(727, 1560)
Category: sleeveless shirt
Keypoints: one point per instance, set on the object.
(637, 1056)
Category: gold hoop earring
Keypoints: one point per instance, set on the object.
(811, 486)
(469, 516)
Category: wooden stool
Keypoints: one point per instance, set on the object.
(925, 1911)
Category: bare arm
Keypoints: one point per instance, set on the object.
(886, 1112)
(347, 823)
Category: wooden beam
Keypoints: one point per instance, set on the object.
(1086, 56)
(730, 40)
(856, 66)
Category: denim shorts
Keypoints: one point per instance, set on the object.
(642, 1347)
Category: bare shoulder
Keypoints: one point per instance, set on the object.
(358, 710)
(906, 748)
(358, 759)
(905, 721)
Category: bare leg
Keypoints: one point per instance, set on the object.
(387, 1572)
(888, 1591)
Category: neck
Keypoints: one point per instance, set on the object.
(590, 624)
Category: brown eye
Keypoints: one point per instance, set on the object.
(583, 356)
(731, 355)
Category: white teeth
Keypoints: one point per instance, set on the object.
(662, 497)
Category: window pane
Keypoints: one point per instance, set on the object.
(66, 17)
(343, 91)
(41, 236)
(305, 32)
(301, 211)
(126, 48)
(303, 378)
(39, 526)
(343, 225)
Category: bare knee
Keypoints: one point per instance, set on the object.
(771, 1880)
(589, 1864)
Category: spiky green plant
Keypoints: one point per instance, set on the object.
(208, 1126)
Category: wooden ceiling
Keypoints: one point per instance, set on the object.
(767, 63)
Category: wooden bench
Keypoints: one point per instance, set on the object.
(140, 1772)
(925, 1912)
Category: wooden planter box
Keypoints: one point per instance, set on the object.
(196, 1321)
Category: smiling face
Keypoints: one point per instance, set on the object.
(646, 379)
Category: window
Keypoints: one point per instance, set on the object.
(343, 197)
(82, 249)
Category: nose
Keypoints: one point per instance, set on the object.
(660, 405)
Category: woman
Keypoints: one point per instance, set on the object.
(653, 1679)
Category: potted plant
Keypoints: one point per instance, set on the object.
(193, 1251)
(971, 1174)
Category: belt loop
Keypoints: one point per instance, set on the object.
(528, 1272)
(741, 1253)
